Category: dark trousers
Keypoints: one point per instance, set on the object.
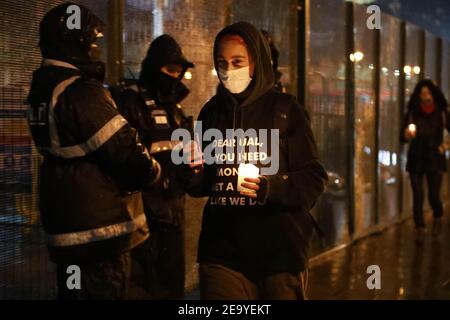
(105, 279)
(221, 283)
(159, 265)
(434, 180)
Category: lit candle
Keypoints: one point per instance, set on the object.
(246, 170)
(412, 128)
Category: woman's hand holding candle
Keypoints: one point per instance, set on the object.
(252, 184)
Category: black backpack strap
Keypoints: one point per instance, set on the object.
(281, 122)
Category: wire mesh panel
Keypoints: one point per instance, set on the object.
(365, 131)
(389, 155)
(326, 105)
(25, 271)
(430, 57)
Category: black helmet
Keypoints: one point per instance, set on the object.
(162, 51)
(58, 41)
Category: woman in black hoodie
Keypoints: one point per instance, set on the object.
(254, 243)
(424, 124)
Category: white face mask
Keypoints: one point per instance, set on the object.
(236, 81)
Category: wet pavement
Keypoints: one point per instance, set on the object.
(407, 270)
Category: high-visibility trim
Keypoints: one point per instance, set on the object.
(158, 171)
(98, 234)
(163, 145)
(53, 132)
(94, 142)
(58, 63)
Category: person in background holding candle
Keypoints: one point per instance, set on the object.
(424, 123)
(254, 241)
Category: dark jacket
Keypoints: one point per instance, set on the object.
(267, 238)
(93, 164)
(152, 107)
(423, 152)
(164, 202)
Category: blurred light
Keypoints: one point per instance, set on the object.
(394, 159)
(384, 157)
(214, 72)
(407, 69)
(371, 66)
(367, 150)
(357, 56)
(397, 73)
(412, 127)
(401, 291)
(385, 70)
(387, 159)
(416, 69)
(188, 75)
(391, 181)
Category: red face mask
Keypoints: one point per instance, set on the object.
(427, 106)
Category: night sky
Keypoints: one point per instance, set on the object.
(432, 15)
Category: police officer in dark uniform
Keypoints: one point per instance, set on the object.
(93, 163)
(152, 107)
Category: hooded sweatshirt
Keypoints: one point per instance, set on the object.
(258, 238)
